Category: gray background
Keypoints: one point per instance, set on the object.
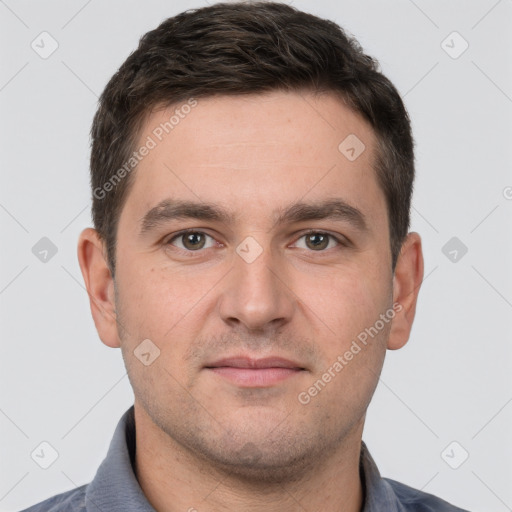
(451, 382)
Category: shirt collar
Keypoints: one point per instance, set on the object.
(378, 493)
(115, 487)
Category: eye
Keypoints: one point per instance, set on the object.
(318, 241)
(190, 240)
(194, 241)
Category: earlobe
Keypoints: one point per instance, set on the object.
(406, 286)
(99, 284)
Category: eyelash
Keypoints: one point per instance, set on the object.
(342, 242)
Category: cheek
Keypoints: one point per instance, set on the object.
(354, 346)
(163, 305)
(144, 305)
(346, 302)
(146, 289)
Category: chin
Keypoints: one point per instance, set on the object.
(256, 458)
(255, 466)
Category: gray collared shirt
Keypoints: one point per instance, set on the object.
(115, 487)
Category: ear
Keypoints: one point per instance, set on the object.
(406, 286)
(99, 284)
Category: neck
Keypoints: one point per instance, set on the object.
(173, 479)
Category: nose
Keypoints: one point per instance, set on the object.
(256, 293)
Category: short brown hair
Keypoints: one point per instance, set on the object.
(246, 48)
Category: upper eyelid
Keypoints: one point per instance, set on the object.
(185, 232)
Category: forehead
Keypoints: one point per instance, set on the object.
(256, 153)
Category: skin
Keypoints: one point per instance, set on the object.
(204, 442)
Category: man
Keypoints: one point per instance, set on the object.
(251, 173)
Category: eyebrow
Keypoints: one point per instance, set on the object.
(335, 209)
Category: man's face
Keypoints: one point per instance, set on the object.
(254, 284)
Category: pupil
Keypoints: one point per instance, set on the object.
(317, 240)
(193, 240)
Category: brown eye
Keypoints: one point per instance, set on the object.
(190, 241)
(193, 241)
(317, 241)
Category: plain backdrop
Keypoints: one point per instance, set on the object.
(445, 396)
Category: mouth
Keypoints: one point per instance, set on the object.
(249, 372)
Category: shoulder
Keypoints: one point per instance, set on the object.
(70, 501)
(419, 501)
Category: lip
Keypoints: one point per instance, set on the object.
(251, 372)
